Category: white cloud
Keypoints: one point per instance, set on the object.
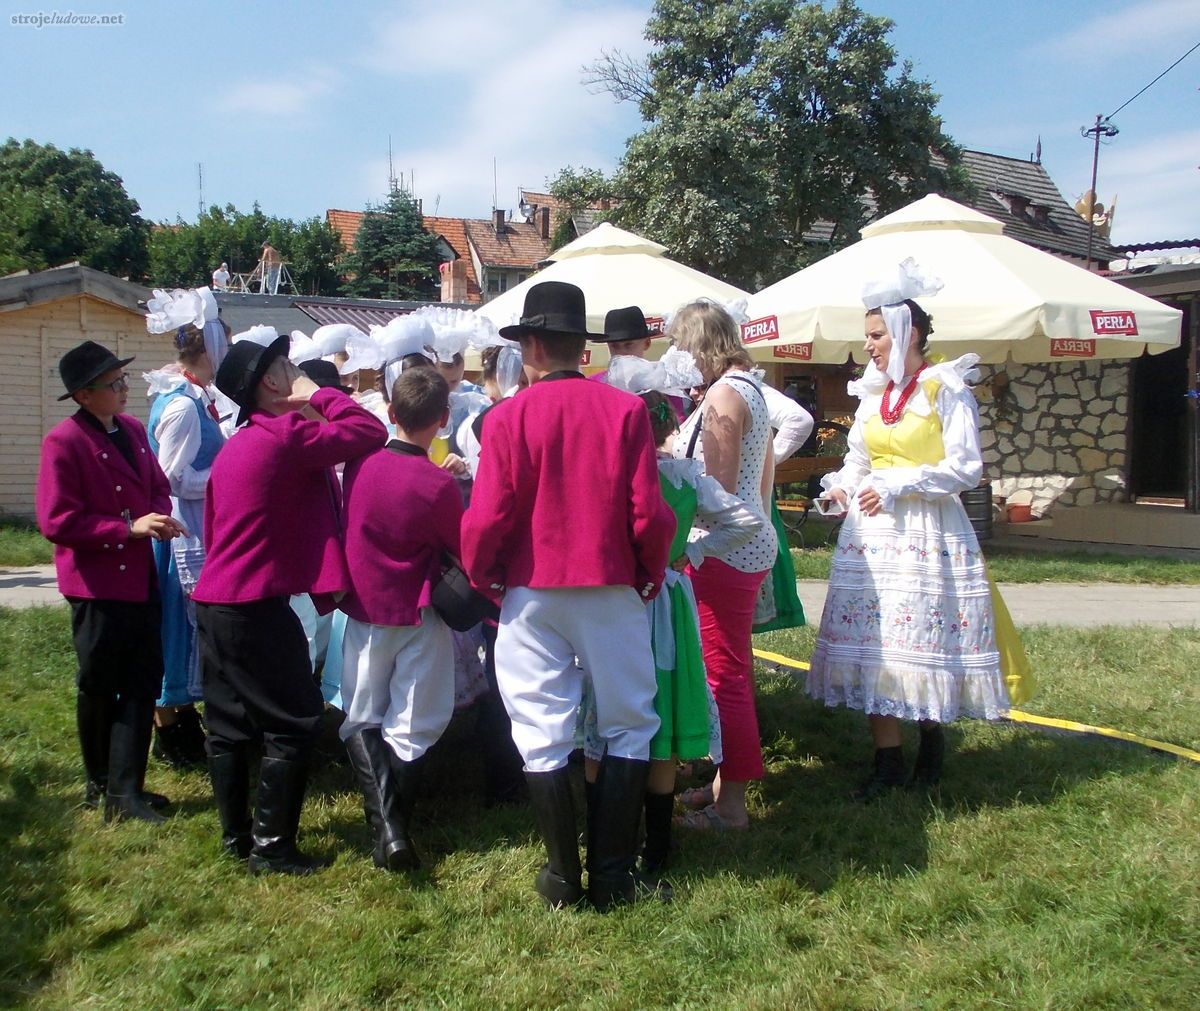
(1133, 27)
(1157, 184)
(280, 99)
(512, 91)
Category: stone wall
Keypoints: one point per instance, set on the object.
(1058, 430)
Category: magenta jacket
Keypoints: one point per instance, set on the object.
(83, 486)
(272, 517)
(401, 513)
(567, 492)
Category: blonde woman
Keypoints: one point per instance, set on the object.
(730, 433)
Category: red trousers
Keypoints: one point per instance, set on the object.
(725, 599)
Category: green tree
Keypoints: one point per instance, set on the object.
(764, 117)
(393, 255)
(59, 206)
(578, 189)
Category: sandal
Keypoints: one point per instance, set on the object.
(697, 798)
(709, 820)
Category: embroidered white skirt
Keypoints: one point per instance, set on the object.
(908, 625)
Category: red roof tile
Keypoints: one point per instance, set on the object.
(518, 245)
(452, 230)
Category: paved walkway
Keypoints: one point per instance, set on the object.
(1083, 605)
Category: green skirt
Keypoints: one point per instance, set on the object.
(781, 586)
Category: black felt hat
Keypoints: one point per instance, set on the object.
(628, 324)
(86, 362)
(552, 309)
(324, 374)
(242, 369)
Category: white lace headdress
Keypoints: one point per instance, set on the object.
(887, 293)
(673, 374)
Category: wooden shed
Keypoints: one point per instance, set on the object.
(42, 316)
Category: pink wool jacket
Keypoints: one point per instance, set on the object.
(83, 486)
(272, 519)
(567, 492)
(401, 513)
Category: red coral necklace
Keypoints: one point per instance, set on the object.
(889, 414)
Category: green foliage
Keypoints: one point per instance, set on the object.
(184, 255)
(578, 189)
(1050, 872)
(764, 117)
(60, 206)
(393, 256)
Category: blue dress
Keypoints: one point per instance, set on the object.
(181, 668)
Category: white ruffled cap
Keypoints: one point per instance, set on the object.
(887, 292)
(168, 311)
(303, 348)
(264, 336)
(674, 373)
(331, 338)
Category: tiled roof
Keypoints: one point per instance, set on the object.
(518, 245)
(1062, 231)
(452, 230)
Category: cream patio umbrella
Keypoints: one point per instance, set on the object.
(616, 268)
(1002, 298)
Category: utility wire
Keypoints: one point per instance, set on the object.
(1158, 78)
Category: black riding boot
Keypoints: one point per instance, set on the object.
(370, 758)
(620, 794)
(928, 768)
(230, 772)
(559, 882)
(889, 773)
(93, 718)
(128, 752)
(657, 849)
(277, 819)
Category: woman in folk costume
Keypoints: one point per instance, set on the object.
(690, 727)
(912, 627)
(185, 434)
(730, 432)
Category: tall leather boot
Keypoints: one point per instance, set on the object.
(620, 794)
(230, 772)
(93, 719)
(281, 786)
(930, 755)
(559, 882)
(888, 775)
(370, 758)
(128, 752)
(657, 849)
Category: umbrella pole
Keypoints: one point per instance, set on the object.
(1192, 429)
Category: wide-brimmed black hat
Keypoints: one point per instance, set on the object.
(628, 324)
(324, 373)
(243, 368)
(552, 309)
(86, 362)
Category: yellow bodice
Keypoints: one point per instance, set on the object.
(914, 440)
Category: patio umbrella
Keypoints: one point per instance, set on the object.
(1002, 298)
(616, 268)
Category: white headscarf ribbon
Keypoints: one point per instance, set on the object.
(887, 293)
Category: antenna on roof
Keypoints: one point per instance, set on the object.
(1038, 151)
(494, 188)
(200, 182)
(437, 202)
(391, 172)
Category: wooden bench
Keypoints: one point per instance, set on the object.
(794, 508)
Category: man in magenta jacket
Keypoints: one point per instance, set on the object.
(272, 526)
(568, 525)
(101, 498)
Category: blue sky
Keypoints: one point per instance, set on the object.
(292, 104)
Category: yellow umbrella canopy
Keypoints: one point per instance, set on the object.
(616, 268)
(1002, 298)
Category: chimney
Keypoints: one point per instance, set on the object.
(544, 223)
(498, 221)
(454, 281)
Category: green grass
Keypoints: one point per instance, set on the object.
(1010, 565)
(1053, 871)
(21, 544)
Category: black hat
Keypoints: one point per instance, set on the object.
(323, 373)
(626, 324)
(85, 362)
(552, 309)
(243, 368)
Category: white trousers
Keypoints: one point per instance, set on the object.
(400, 679)
(541, 633)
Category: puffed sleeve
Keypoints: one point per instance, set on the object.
(791, 422)
(178, 435)
(855, 466)
(958, 471)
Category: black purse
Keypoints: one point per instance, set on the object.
(457, 602)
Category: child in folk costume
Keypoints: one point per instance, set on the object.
(185, 433)
(913, 629)
(402, 516)
(273, 528)
(690, 727)
(568, 525)
(101, 499)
